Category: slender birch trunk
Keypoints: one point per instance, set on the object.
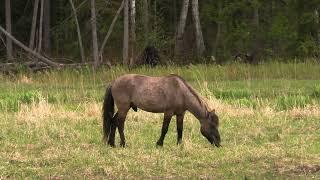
(125, 52)
(132, 37)
(8, 28)
(316, 14)
(146, 21)
(34, 24)
(196, 20)
(181, 27)
(218, 35)
(94, 33)
(46, 27)
(110, 29)
(256, 44)
(78, 31)
(40, 26)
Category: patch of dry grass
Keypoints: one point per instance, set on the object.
(61, 137)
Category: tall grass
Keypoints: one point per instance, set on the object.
(269, 123)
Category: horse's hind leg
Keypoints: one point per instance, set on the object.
(164, 130)
(121, 119)
(179, 127)
(111, 140)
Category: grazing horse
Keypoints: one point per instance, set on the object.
(170, 95)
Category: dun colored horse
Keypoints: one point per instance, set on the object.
(170, 95)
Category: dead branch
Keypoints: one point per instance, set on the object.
(78, 30)
(111, 28)
(41, 58)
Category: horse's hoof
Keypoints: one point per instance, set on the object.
(159, 144)
(179, 142)
(111, 144)
(123, 145)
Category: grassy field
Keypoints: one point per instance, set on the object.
(270, 125)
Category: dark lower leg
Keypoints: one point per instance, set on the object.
(179, 128)
(112, 134)
(121, 132)
(164, 129)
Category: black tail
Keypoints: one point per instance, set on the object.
(108, 111)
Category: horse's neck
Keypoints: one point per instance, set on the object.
(198, 109)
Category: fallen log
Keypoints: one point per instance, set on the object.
(41, 58)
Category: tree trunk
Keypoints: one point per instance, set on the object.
(78, 31)
(132, 37)
(8, 27)
(146, 21)
(94, 33)
(43, 59)
(255, 54)
(196, 20)
(155, 13)
(218, 35)
(125, 32)
(40, 26)
(46, 27)
(316, 14)
(34, 24)
(111, 28)
(256, 17)
(181, 27)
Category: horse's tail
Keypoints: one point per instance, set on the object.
(108, 111)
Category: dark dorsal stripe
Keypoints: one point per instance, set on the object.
(190, 89)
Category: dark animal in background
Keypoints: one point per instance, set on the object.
(150, 56)
(170, 95)
(249, 58)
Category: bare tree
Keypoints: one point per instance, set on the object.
(146, 21)
(196, 21)
(316, 14)
(110, 29)
(78, 31)
(34, 23)
(125, 32)
(255, 52)
(219, 27)
(132, 37)
(8, 27)
(46, 27)
(94, 33)
(181, 27)
(40, 25)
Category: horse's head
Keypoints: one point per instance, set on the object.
(209, 128)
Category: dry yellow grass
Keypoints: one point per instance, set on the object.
(58, 134)
(41, 111)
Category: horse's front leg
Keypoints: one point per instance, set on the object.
(179, 127)
(165, 125)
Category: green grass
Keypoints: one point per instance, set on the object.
(51, 125)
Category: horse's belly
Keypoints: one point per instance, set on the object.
(151, 106)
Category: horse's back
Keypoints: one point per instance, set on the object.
(150, 93)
